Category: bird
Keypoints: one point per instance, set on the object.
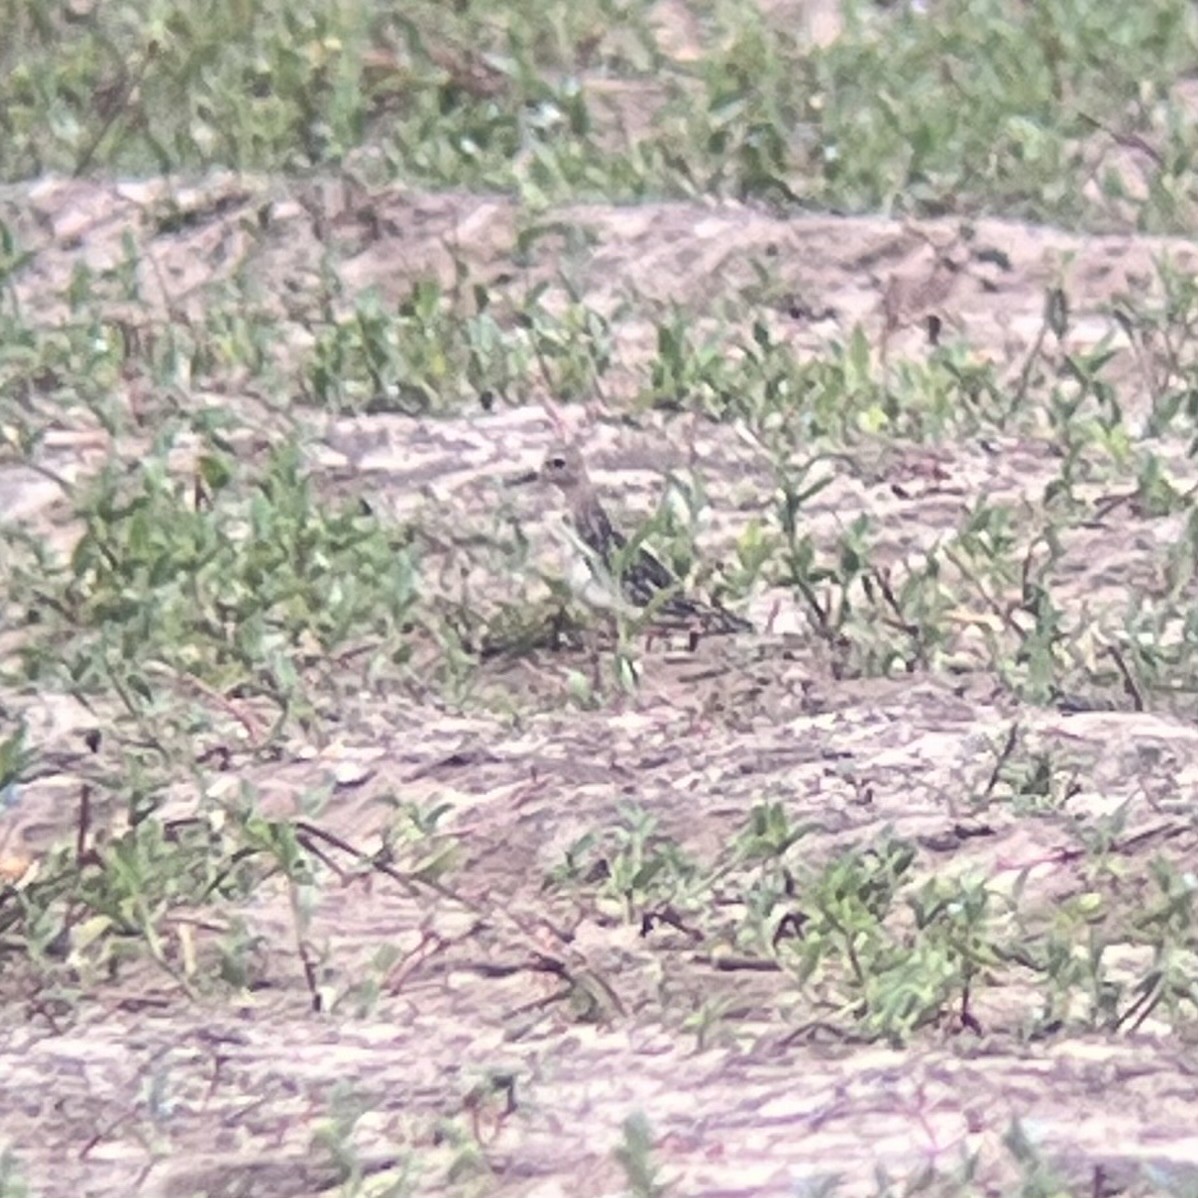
(614, 574)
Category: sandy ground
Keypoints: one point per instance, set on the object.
(478, 1032)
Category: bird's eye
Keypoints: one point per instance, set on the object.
(558, 463)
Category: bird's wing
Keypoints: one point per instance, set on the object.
(587, 574)
(647, 583)
(645, 576)
(641, 572)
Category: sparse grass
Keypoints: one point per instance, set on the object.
(240, 579)
(878, 949)
(497, 97)
(1011, 103)
(428, 356)
(216, 599)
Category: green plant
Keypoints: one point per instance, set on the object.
(12, 1179)
(241, 580)
(632, 866)
(634, 1155)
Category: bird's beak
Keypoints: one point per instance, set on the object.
(522, 480)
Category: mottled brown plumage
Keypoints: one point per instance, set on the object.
(644, 581)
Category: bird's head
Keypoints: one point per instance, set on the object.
(563, 467)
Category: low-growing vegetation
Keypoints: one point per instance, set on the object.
(305, 729)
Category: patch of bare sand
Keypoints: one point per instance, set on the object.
(149, 1094)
